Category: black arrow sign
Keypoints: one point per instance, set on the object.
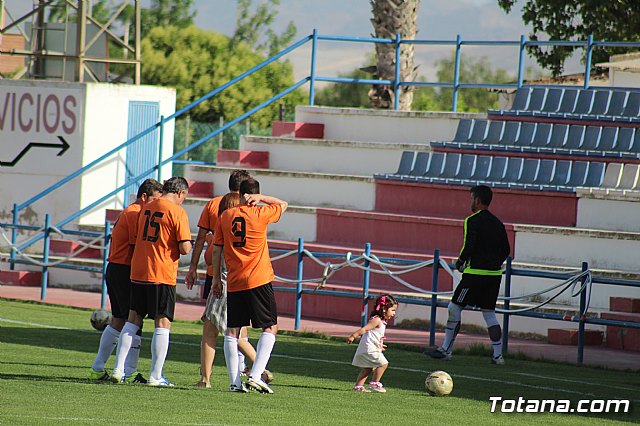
(63, 148)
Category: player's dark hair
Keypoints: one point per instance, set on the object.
(229, 201)
(382, 304)
(174, 185)
(149, 186)
(482, 192)
(249, 186)
(236, 178)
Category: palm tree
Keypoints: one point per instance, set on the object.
(391, 17)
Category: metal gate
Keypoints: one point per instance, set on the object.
(143, 153)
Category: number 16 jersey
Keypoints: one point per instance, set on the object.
(162, 225)
(242, 231)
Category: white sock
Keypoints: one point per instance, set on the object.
(495, 332)
(124, 344)
(131, 363)
(263, 353)
(159, 349)
(231, 358)
(242, 365)
(453, 326)
(108, 342)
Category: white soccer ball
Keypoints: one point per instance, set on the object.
(439, 383)
(100, 318)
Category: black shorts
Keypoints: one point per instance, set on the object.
(255, 307)
(478, 291)
(208, 282)
(153, 300)
(119, 289)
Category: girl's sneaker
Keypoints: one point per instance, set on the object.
(361, 389)
(377, 387)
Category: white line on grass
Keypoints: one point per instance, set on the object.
(100, 420)
(412, 370)
(558, 379)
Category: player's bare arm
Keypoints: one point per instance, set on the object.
(373, 323)
(253, 199)
(192, 275)
(216, 261)
(185, 247)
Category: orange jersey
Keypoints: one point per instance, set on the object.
(162, 225)
(208, 220)
(123, 235)
(242, 231)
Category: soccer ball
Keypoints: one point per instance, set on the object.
(100, 318)
(267, 376)
(439, 383)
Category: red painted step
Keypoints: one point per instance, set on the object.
(67, 247)
(511, 206)
(21, 278)
(200, 189)
(562, 336)
(624, 304)
(111, 215)
(622, 337)
(243, 158)
(297, 129)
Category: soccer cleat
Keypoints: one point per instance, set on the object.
(160, 382)
(240, 389)
(361, 389)
(497, 360)
(117, 377)
(101, 376)
(439, 353)
(377, 387)
(135, 377)
(259, 385)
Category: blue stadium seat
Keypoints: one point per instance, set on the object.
(568, 103)
(406, 162)
(574, 138)
(420, 163)
(529, 171)
(552, 101)
(494, 133)
(478, 131)
(635, 146)
(481, 171)
(632, 107)
(435, 164)
(624, 140)
(451, 165)
(521, 100)
(591, 138)
(464, 130)
(561, 173)
(510, 133)
(541, 138)
(513, 171)
(607, 139)
(616, 105)
(467, 167)
(525, 137)
(558, 136)
(536, 100)
(595, 175)
(498, 169)
(545, 172)
(584, 102)
(600, 102)
(578, 174)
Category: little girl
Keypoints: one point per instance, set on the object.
(369, 355)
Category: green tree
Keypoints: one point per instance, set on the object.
(616, 20)
(250, 25)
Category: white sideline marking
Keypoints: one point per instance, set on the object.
(100, 420)
(412, 370)
(574, 381)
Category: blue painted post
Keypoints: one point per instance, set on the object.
(434, 297)
(456, 76)
(397, 76)
(14, 238)
(365, 287)
(299, 283)
(587, 69)
(105, 255)
(159, 174)
(521, 63)
(505, 317)
(312, 76)
(45, 257)
(583, 316)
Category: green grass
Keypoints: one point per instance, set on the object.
(43, 368)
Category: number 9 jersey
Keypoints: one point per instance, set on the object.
(242, 231)
(162, 225)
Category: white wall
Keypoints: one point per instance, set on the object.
(368, 125)
(610, 214)
(621, 78)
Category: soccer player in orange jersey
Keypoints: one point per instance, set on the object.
(123, 238)
(242, 233)
(163, 235)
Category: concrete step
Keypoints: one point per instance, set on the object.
(564, 336)
(296, 129)
(202, 189)
(621, 337)
(244, 158)
(330, 156)
(299, 188)
(625, 304)
(611, 211)
(21, 278)
(67, 247)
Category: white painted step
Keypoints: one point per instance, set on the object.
(330, 156)
(610, 209)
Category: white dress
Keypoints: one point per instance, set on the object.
(369, 351)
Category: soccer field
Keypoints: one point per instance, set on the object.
(45, 352)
